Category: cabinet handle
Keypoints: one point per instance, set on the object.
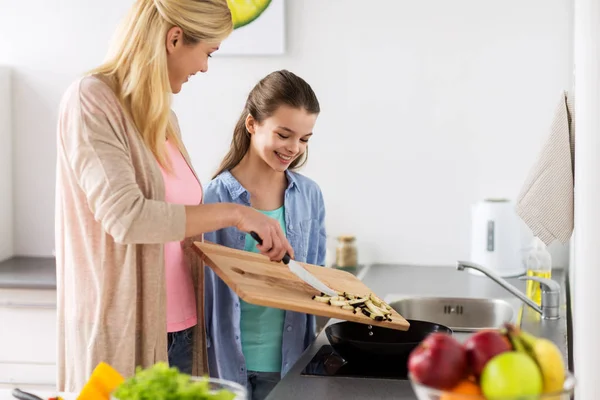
(49, 306)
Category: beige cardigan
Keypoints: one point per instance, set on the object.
(111, 224)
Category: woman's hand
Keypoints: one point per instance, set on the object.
(274, 243)
(211, 217)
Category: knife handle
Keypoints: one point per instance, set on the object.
(286, 258)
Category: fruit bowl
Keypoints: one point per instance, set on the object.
(506, 364)
(428, 393)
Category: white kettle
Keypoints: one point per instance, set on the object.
(496, 237)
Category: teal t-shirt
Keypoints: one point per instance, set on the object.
(262, 327)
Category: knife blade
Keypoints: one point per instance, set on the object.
(300, 272)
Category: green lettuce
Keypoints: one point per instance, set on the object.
(160, 382)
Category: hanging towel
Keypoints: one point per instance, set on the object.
(545, 202)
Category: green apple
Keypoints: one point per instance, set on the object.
(511, 374)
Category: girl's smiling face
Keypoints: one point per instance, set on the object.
(281, 138)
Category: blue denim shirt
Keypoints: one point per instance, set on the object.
(305, 223)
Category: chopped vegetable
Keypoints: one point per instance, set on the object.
(321, 299)
(371, 315)
(103, 380)
(354, 302)
(370, 305)
(160, 382)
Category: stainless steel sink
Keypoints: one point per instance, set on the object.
(459, 314)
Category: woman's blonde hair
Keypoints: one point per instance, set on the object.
(136, 65)
(277, 89)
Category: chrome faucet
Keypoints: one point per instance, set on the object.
(550, 290)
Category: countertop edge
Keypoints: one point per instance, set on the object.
(27, 272)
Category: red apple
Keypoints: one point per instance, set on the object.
(439, 361)
(482, 346)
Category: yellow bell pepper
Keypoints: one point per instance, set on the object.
(103, 381)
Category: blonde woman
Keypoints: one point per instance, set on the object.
(129, 204)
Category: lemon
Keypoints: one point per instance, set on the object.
(245, 11)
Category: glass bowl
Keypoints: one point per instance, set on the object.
(428, 393)
(216, 384)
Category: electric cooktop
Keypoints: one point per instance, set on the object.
(328, 363)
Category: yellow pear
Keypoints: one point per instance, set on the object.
(549, 359)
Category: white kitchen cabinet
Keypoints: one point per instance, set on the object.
(6, 171)
(28, 337)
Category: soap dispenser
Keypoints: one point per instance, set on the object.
(538, 263)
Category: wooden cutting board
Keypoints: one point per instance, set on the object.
(259, 281)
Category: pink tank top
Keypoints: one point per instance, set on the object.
(181, 187)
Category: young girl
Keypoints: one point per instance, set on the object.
(255, 346)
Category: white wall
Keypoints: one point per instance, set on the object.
(426, 107)
(6, 192)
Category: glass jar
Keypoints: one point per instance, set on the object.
(345, 252)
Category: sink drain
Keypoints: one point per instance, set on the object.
(458, 310)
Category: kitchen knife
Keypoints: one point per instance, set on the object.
(300, 272)
(21, 395)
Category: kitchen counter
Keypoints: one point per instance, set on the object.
(40, 273)
(28, 273)
(6, 394)
(388, 280)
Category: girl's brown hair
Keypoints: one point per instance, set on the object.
(273, 91)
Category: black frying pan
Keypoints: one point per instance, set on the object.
(354, 343)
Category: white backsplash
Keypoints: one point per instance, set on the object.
(419, 119)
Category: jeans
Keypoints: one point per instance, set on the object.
(260, 384)
(179, 347)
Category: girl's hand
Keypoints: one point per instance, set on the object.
(275, 244)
